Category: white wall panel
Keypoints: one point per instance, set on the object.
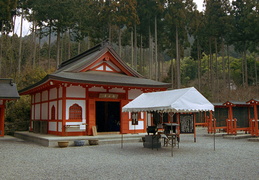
(32, 112)
(76, 91)
(133, 93)
(37, 97)
(60, 92)
(53, 93)
(44, 111)
(45, 96)
(97, 89)
(52, 126)
(136, 127)
(37, 111)
(59, 126)
(117, 90)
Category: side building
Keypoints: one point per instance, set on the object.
(86, 95)
(8, 92)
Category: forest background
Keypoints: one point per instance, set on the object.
(214, 50)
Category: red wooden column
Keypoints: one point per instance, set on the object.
(231, 122)
(64, 95)
(2, 115)
(124, 128)
(211, 123)
(253, 122)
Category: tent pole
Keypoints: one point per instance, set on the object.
(172, 147)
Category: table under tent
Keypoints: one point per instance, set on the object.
(177, 109)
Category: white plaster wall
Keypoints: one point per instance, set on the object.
(60, 94)
(53, 93)
(133, 93)
(37, 111)
(80, 103)
(76, 91)
(97, 89)
(44, 95)
(50, 106)
(37, 97)
(136, 127)
(32, 112)
(117, 90)
(44, 111)
(60, 109)
(59, 126)
(32, 98)
(52, 126)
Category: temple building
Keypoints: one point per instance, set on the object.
(8, 92)
(86, 95)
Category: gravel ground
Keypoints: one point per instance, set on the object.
(232, 159)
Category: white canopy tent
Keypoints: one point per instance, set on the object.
(177, 101)
(187, 100)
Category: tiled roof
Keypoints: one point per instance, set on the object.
(107, 78)
(8, 89)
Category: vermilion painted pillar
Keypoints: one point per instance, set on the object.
(256, 132)
(64, 133)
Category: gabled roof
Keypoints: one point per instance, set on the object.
(8, 89)
(179, 100)
(98, 65)
(101, 54)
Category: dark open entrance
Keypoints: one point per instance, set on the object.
(107, 116)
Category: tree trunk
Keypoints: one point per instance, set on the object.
(78, 47)
(228, 72)
(132, 50)
(119, 41)
(58, 48)
(49, 46)
(256, 78)
(1, 49)
(216, 68)
(150, 53)
(245, 67)
(178, 76)
(199, 65)
(34, 45)
(141, 56)
(172, 73)
(135, 48)
(223, 61)
(69, 46)
(156, 63)
(20, 46)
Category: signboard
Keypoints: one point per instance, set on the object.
(186, 123)
(108, 95)
(134, 118)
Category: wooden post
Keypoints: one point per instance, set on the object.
(194, 122)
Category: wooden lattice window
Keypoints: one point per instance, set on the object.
(53, 112)
(75, 112)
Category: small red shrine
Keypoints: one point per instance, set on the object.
(87, 93)
(8, 92)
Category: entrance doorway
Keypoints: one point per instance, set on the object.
(107, 116)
